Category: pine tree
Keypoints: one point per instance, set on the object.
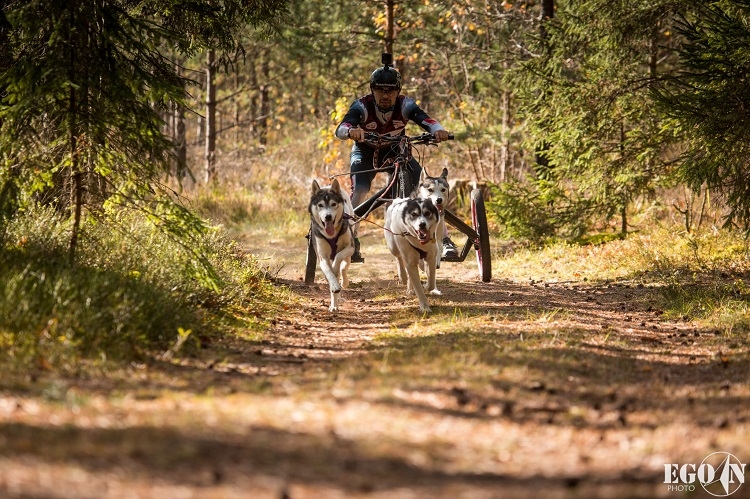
(584, 95)
(709, 102)
(85, 85)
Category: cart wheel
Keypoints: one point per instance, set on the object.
(479, 220)
(311, 262)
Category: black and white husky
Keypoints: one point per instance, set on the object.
(410, 226)
(330, 211)
(437, 190)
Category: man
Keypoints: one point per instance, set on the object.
(384, 111)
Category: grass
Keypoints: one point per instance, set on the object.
(133, 292)
(702, 276)
(250, 213)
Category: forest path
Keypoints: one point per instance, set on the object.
(508, 389)
(590, 389)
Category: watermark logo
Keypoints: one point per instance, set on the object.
(720, 474)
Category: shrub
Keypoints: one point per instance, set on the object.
(133, 291)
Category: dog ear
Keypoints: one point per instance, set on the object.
(315, 186)
(445, 173)
(422, 175)
(335, 186)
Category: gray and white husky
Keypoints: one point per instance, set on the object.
(330, 211)
(437, 190)
(410, 226)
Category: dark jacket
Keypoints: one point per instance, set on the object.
(364, 113)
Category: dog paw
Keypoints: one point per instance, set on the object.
(436, 292)
(425, 309)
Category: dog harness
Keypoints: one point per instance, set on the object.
(333, 242)
(422, 253)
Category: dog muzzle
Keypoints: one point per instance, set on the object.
(423, 236)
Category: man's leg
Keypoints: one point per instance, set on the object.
(415, 171)
(359, 160)
(450, 250)
(359, 194)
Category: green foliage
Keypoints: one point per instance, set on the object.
(538, 212)
(84, 83)
(709, 103)
(585, 99)
(106, 305)
(128, 295)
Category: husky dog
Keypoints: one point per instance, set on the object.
(437, 190)
(332, 235)
(410, 226)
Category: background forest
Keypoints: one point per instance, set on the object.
(581, 114)
(122, 123)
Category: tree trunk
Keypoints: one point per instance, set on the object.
(181, 143)
(504, 129)
(264, 97)
(625, 196)
(210, 117)
(253, 104)
(548, 12)
(653, 56)
(237, 113)
(75, 167)
(543, 169)
(704, 203)
(179, 137)
(77, 191)
(389, 31)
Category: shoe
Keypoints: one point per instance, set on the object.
(357, 256)
(449, 248)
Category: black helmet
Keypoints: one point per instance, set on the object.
(385, 78)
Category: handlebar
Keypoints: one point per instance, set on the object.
(424, 138)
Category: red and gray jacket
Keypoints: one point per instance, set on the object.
(365, 114)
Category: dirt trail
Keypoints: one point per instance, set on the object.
(533, 389)
(636, 392)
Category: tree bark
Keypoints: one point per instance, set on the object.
(75, 167)
(210, 117)
(264, 97)
(548, 12)
(389, 31)
(504, 128)
(543, 169)
(181, 143)
(653, 56)
(77, 192)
